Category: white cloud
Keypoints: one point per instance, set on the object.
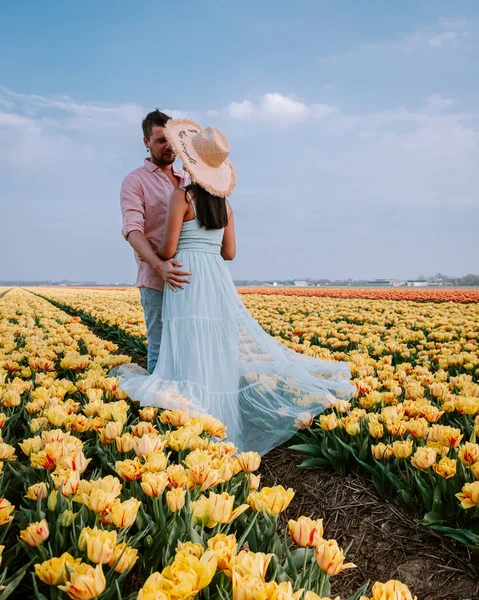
(446, 33)
(13, 120)
(277, 108)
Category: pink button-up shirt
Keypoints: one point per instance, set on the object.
(144, 197)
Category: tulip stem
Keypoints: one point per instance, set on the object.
(322, 581)
(305, 561)
(248, 529)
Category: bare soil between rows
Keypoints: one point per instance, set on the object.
(386, 543)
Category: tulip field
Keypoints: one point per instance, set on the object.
(102, 498)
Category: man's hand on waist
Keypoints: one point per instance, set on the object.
(170, 273)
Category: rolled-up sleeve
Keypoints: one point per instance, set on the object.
(132, 201)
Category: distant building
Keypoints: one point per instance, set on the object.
(417, 283)
(301, 283)
(380, 282)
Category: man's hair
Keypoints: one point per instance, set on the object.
(153, 119)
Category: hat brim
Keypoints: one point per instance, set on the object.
(219, 181)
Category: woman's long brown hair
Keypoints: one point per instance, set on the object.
(211, 211)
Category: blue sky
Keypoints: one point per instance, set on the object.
(354, 129)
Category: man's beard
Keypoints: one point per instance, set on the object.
(162, 161)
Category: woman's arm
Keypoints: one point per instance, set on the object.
(228, 248)
(177, 209)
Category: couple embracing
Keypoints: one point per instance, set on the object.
(206, 353)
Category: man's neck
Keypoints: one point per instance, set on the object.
(165, 168)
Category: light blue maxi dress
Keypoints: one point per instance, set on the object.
(215, 358)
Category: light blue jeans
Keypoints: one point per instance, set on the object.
(152, 302)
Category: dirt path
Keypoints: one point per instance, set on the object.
(386, 542)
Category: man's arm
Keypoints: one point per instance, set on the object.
(133, 212)
(172, 276)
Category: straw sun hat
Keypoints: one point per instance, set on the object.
(204, 153)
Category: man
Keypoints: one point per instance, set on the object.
(144, 197)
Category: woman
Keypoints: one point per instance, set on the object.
(214, 357)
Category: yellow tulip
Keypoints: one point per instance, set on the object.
(213, 426)
(188, 575)
(328, 422)
(447, 436)
(391, 590)
(125, 442)
(148, 413)
(98, 543)
(254, 482)
(124, 514)
(36, 490)
(469, 497)
(251, 564)
(446, 467)
(31, 445)
(224, 546)
(48, 457)
(273, 500)
(69, 480)
(475, 470)
(148, 444)
(204, 476)
(76, 461)
(175, 499)
(330, 558)
(124, 557)
(281, 591)
(181, 439)
(110, 432)
(155, 462)
(216, 508)
(6, 508)
(418, 428)
(154, 484)
(79, 423)
(57, 415)
(469, 454)
(249, 461)
(53, 571)
(129, 470)
(7, 452)
(352, 428)
(226, 471)
(195, 549)
(424, 457)
(177, 476)
(151, 588)
(306, 532)
(177, 417)
(85, 583)
(376, 430)
(35, 534)
(381, 451)
(248, 588)
(142, 428)
(402, 449)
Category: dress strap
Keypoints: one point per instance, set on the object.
(191, 201)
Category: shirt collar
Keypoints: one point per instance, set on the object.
(152, 167)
